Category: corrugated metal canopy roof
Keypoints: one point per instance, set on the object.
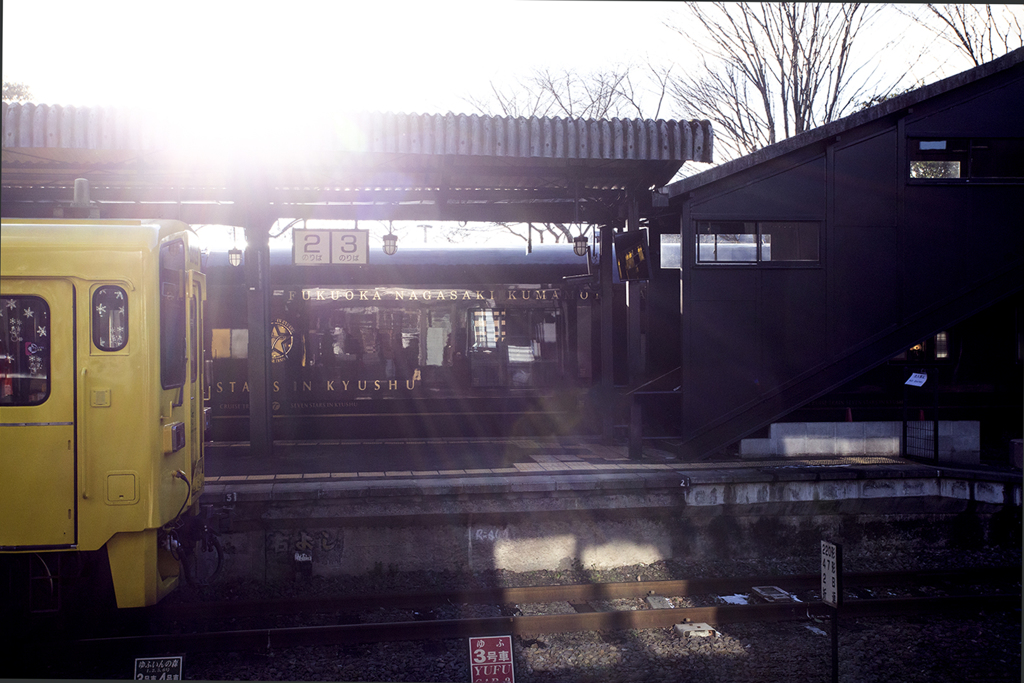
(406, 165)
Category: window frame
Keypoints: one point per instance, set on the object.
(97, 344)
(173, 318)
(955, 149)
(43, 312)
(757, 244)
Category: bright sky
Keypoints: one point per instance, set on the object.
(412, 57)
(422, 57)
(335, 55)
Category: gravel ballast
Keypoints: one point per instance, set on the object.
(958, 649)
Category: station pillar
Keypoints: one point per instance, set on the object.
(257, 280)
(635, 292)
(607, 390)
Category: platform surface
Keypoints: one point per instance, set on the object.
(384, 463)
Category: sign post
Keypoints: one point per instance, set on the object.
(832, 593)
(490, 660)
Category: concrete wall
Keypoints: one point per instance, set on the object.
(553, 523)
(959, 441)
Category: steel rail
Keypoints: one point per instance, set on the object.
(568, 592)
(528, 626)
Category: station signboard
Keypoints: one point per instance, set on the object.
(330, 247)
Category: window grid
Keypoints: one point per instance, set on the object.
(488, 328)
(753, 242)
(24, 350)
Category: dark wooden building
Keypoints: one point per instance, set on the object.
(829, 264)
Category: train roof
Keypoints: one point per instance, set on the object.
(89, 233)
(545, 254)
(427, 266)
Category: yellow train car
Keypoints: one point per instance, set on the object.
(101, 415)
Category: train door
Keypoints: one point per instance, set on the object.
(37, 414)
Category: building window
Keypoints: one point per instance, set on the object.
(757, 241)
(671, 251)
(964, 158)
(935, 349)
(25, 337)
(941, 346)
(109, 318)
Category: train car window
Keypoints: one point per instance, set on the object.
(24, 351)
(220, 343)
(439, 338)
(758, 241)
(172, 314)
(239, 342)
(110, 318)
(488, 329)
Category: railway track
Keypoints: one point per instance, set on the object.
(973, 590)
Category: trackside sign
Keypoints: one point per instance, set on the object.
(490, 660)
(159, 668)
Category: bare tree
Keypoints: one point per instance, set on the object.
(623, 92)
(617, 92)
(772, 70)
(543, 233)
(979, 32)
(16, 92)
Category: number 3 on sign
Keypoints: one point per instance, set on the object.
(350, 246)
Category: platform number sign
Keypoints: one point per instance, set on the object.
(330, 247)
(831, 573)
(490, 660)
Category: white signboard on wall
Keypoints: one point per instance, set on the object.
(917, 379)
(330, 247)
